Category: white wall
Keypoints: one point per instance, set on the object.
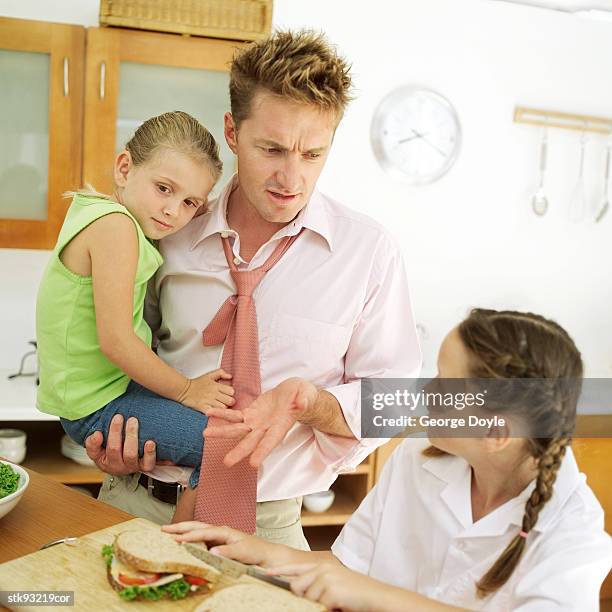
(79, 12)
(469, 239)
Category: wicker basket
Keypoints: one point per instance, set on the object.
(234, 19)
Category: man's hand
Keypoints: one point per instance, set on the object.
(266, 420)
(120, 456)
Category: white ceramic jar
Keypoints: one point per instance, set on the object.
(13, 445)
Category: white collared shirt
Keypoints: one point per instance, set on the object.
(414, 530)
(333, 310)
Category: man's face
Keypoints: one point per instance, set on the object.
(281, 147)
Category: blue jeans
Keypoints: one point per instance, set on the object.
(176, 429)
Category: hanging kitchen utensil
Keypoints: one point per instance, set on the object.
(539, 201)
(578, 201)
(605, 204)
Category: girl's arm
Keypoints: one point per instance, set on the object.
(316, 575)
(243, 547)
(112, 242)
(338, 587)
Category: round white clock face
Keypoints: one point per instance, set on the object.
(415, 135)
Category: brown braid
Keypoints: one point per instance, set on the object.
(499, 573)
(508, 344)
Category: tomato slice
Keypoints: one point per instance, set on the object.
(195, 580)
(138, 580)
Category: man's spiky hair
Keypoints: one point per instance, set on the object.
(300, 66)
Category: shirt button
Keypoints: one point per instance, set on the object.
(237, 260)
(224, 234)
(461, 545)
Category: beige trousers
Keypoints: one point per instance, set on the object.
(277, 521)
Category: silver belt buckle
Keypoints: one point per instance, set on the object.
(150, 486)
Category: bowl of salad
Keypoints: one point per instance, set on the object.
(14, 481)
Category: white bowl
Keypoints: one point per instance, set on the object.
(71, 450)
(10, 501)
(14, 455)
(319, 502)
(12, 438)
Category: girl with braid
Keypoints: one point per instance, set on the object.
(498, 522)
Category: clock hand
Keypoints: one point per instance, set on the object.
(431, 144)
(403, 140)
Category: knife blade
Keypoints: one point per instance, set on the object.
(235, 569)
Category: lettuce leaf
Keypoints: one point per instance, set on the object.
(178, 589)
(107, 553)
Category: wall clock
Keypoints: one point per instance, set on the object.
(415, 135)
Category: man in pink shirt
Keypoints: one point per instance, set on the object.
(335, 309)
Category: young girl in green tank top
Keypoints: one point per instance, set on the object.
(94, 345)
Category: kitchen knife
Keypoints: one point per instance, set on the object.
(232, 568)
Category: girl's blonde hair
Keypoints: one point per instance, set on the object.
(508, 344)
(177, 131)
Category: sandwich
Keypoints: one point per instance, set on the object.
(152, 565)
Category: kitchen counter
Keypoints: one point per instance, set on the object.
(18, 399)
(49, 511)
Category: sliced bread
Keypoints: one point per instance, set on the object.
(156, 551)
(256, 597)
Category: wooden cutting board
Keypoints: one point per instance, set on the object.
(81, 569)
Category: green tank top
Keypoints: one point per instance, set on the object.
(76, 378)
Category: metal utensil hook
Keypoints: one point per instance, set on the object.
(544, 150)
(583, 141)
(539, 201)
(605, 205)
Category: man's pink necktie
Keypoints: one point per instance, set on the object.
(227, 496)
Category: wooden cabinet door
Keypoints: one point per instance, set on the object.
(382, 455)
(41, 70)
(131, 76)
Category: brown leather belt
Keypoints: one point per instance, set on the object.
(167, 492)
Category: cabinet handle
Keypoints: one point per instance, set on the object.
(102, 80)
(66, 80)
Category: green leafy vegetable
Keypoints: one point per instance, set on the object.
(107, 553)
(152, 593)
(9, 480)
(175, 590)
(129, 593)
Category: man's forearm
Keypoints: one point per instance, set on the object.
(327, 416)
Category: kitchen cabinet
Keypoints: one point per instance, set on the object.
(133, 75)
(69, 111)
(41, 109)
